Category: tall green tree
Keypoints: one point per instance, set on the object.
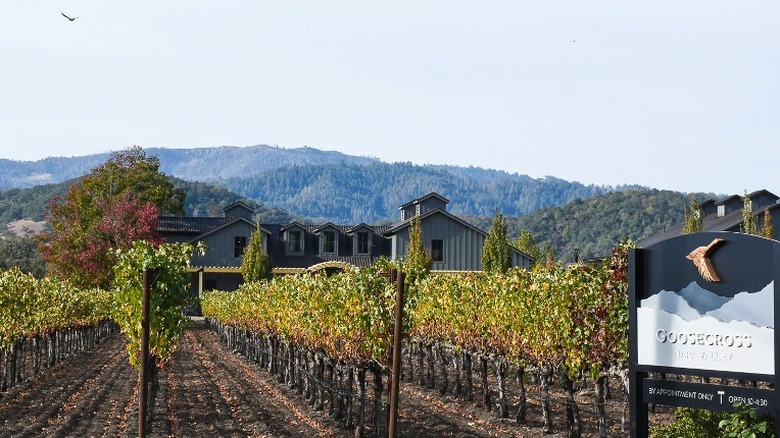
(496, 256)
(106, 210)
(525, 242)
(693, 220)
(749, 223)
(256, 265)
(767, 229)
(418, 260)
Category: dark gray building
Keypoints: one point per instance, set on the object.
(727, 215)
(454, 244)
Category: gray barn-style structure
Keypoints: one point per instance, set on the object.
(454, 244)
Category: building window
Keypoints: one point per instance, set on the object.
(328, 242)
(437, 250)
(239, 245)
(363, 243)
(294, 241)
(721, 210)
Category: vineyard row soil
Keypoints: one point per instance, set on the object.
(207, 390)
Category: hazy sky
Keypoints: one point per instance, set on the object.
(676, 94)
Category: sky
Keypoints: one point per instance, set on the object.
(680, 95)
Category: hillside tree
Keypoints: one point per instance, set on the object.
(117, 203)
(256, 265)
(525, 242)
(693, 221)
(21, 252)
(496, 256)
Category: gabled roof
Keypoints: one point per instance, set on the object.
(706, 203)
(353, 229)
(189, 225)
(400, 226)
(766, 192)
(325, 226)
(227, 225)
(292, 225)
(241, 204)
(424, 198)
(730, 199)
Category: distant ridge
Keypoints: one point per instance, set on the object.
(213, 164)
(571, 218)
(195, 164)
(328, 185)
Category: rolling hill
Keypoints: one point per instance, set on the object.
(307, 184)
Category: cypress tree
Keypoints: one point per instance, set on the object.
(693, 222)
(496, 257)
(256, 265)
(417, 258)
(767, 230)
(749, 225)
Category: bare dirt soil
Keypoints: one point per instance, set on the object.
(206, 390)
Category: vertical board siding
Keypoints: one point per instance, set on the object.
(220, 245)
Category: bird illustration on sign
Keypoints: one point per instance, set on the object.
(701, 259)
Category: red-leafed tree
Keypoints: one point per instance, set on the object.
(115, 204)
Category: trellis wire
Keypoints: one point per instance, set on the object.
(335, 388)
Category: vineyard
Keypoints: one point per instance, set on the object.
(330, 336)
(45, 321)
(484, 355)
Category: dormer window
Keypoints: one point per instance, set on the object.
(362, 242)
(362, 239)
(721, 210)
(328, 242)
(294, 238)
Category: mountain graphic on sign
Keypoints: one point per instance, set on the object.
(694, 302)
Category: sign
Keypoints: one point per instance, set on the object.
(696, 328)
(703, 305)
(706, 396)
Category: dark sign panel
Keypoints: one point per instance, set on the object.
(706, 396)
(703, 304)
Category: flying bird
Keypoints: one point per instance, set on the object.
(69, 18)
(701, 259)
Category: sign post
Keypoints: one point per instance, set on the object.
(144, 374)
(703, 305)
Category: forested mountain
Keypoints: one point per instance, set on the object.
(593, 225)
(310, 185)
(29, 203)
(205, 199)
(597, 224)
(373, 192)
(330, 186)
(202, 164)
(52, 170)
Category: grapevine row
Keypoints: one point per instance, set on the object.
(560, 322)
(43, 321)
